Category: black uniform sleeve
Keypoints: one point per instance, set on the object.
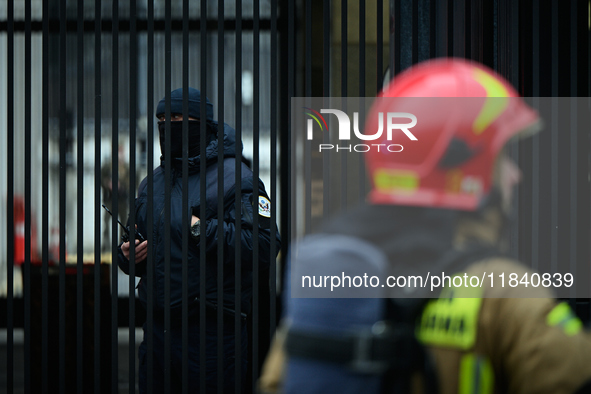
(248, 208)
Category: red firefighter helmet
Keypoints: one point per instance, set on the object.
(465, 114)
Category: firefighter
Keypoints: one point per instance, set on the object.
(441, 206)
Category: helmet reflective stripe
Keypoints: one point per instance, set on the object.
(496, 102)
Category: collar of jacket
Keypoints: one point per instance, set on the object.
(485, 227)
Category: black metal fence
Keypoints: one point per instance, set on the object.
(542, 48)
(80, 82)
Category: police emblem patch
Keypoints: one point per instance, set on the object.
(264, 207)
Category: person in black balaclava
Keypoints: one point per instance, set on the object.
(176, 124)
(203, 232)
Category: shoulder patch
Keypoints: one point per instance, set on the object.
(264, 207)
(450, 322)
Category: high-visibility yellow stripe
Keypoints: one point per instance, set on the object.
(561, 315)
(388, 180)
(476, 375)
(450, 321)
(496, 100)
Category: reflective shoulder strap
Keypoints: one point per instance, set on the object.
(476, 375)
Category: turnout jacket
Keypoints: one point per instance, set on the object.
(510, 340)
(251, 195)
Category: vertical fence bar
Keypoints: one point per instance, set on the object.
(523, 84)
(554, 139)
(582, 30)
(565, 155)
(573, 143)
(513, 34)
(395, 53)
(441, 27)
(583, 196)
(326, 42)
(167, 196)
(238, 199)
(62, 198)
(308, 93)
(459, 28)
(285, 164)
(474, 29)
(308, 49)
(449, 27)
(343, 89)
(404, 38)
(133, 57)
(185, 207)
(362, 79)
(416, 37)
(220, 213)
(326, 19)
(535, 206)
(380, 44)
(501, 49)
(97, 196)
(202, 197)
(421, 16)
(149, 324)
(279, 111)
(344, 48)
(588, 102)
(115, 200)
(393, 45)
(45, 202)
(545, 141)
(394, 39)
(10, 198)
(255, 169)
(26, 267)
(468, 24)
(79, 200)
(495, 9)
(432, 29)
(588, 50)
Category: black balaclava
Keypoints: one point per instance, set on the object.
(176, 133)
(176, 128)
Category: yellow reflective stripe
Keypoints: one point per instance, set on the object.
(495, 103)
(561, 315)
(450, 322)
(386, 180)
(476, 375)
